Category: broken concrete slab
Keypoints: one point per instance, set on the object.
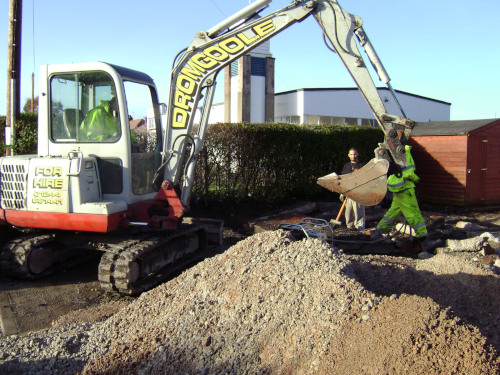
(464, 225)
(478, 243)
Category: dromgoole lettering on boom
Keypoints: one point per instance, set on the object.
(210, 58)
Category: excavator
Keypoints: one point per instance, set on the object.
(89, 188)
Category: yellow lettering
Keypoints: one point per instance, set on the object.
(48, 171)
(247, 41)
(57, 201)
(181, 100)
(179, 118)
(216, 53)
(264, 28)
(232, 45)
(185, 84)
(51, 183)
(194, 72)
(203, 61)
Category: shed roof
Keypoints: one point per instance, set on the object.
(450, 127)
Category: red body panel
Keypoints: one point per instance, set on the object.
(2, 217)
(163, 212)
(64, 221)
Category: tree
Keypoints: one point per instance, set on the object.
(27, 106)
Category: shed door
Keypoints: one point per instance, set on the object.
(477, 171)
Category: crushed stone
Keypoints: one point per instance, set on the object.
(267, 305)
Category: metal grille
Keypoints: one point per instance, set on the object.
(14, 184)
(258, 67)
(234, 68)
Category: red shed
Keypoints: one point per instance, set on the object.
(458, 162)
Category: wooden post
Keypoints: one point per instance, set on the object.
(269, 90)
(244, 86)
(13, 67)
(32, 92)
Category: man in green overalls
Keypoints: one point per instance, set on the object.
(404, 202)
(101, 123)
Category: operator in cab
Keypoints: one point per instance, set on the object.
(101, 123)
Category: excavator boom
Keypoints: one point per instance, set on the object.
(194, 74)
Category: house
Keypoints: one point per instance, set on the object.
(458, 162)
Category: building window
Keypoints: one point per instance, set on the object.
(288, 119)
(338, 120)
(151, 123)
(368, 122)
(325, 120)
(311, 119)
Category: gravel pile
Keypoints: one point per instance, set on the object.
(235, 312)
(228, 314)
(266, 305)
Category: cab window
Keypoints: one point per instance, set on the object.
(84, 108)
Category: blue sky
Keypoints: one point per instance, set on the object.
(446, 50)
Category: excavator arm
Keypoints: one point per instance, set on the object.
(193, 80)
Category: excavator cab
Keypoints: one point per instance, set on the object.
(108, 112)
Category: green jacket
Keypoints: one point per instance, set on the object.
(99, 124)
(408, 177)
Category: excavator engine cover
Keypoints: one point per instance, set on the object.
(367, 186)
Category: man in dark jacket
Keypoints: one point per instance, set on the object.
(354, 212)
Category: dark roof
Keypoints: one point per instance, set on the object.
(449, 127)
(355, 88)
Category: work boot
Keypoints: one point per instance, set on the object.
(376, 236)
(428, 244)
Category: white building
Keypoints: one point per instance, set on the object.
(341, 106)
(347, 106)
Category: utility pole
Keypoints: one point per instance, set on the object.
(32, 92)
(13, 70)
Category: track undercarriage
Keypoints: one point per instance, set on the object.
(131, 263)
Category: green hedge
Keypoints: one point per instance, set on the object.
(25, 141)
(276, 162)
(271, 162)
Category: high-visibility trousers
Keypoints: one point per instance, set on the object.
(404, 203)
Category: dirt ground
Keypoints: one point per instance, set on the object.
(449, 294)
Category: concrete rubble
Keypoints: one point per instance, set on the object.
(478, 243)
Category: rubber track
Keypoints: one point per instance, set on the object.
(114, 268)
(15, 254)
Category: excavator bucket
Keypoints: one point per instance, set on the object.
(367, 185)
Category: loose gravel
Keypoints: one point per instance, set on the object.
(268, 304)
